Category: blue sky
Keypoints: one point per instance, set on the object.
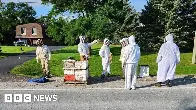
(43, 10)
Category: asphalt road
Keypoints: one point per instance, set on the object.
(106, 99)
(6, 64)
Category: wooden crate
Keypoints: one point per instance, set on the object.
(76, 82)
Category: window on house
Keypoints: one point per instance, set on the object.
(23, 31)
(34, 31)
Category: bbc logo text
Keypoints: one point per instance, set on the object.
(29, 98)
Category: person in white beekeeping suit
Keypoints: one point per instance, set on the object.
(124, 43)
(168, 57)
(44, 55)
(105, 54)
(132, 56)
(83, 48)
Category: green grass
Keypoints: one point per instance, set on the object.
(32, 68)
(13, 50)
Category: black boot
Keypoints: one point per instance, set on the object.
(168, 83)
(158, 84)
(103, 76)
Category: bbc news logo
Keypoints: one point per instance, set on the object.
(29, 98)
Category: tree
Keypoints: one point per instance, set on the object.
(76, 6)
(181, 22)
(152, 32)
(99, 19)
(161, 17)
(11, 15)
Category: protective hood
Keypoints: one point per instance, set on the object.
(82, 39)
(126, 41)
(132, 40)
(106, 41)
(169, 38)
(122, 42)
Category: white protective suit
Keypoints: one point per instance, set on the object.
(168, 57)
(124, 44)
(105, 55)
(43, 53)
(131, 59)
(83, 48)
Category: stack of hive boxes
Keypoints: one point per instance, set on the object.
(76, 71)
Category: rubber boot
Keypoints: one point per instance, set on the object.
(103, 76)
(168, 83)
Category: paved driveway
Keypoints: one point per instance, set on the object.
(8, 63)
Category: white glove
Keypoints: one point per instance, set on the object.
(37, 59)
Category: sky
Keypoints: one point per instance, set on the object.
(44, 9)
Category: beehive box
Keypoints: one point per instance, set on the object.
(81, 64)
(75, 71)
(69, 71)
(69, 77)
(144, 71)
(69, 63)
(81, 75)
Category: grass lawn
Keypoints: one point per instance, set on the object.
(32, 68)
(13, 50)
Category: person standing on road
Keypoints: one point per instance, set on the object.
(168, 57)
(43, 53)
(124, 43)
(83, 48)
(106, 55)
(132, 56)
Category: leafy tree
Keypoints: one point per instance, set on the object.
(11, 15)
(181, 22)
(100, 19)
(151, 34)
(76, 6)
(161, 17)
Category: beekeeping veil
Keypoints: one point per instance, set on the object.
(82, 39)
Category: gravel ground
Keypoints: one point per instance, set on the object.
(6, 64)
(114, 82)
(103, 95)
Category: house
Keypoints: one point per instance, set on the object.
(30, 33)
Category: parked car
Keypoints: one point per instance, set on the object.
(20, 43)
